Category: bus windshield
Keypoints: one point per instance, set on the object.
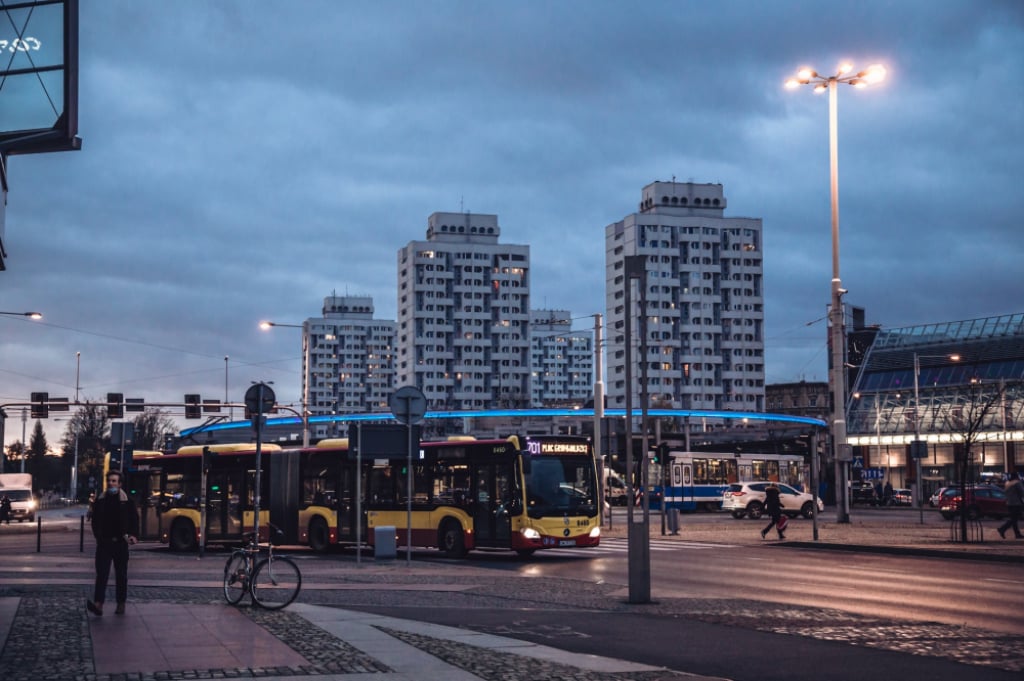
(557, 484)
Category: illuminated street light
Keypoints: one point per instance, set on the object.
(806, 76)
(30, 315)
(266, 326)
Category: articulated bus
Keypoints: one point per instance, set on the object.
(697, 480)
(304, 492)
(515, 494)
(468, 494)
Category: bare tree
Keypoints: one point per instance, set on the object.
(974, 412)
(151, 428)
(90, 426)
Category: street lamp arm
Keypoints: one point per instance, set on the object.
(30, 315)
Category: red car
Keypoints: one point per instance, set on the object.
(982, 500)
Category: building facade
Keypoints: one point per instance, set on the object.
(941, 383)
(350, 363)
(463, 315)
(561, 360)
(704, 299)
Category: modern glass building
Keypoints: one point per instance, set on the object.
(970, 385)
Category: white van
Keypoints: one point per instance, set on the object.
(18, 488)
(614, 488)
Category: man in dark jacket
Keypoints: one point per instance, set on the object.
(115, 524)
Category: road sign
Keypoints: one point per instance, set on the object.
(408, 404)
(858, 462)
(252, 398)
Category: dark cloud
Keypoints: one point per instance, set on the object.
(242, 160)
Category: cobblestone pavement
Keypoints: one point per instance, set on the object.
(53, 614)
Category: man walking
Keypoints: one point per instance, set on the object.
(115, 524)
(1014, 503)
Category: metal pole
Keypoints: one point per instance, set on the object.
(815, 477)
(837, 321)
(306, 378)
(259, 462)
(408, 489)
(74, 471)
(24, 447)
(917, 438)
(599, 410)
(638, 536)
(359, 493)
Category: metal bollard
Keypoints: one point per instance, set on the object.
(81, 534)
(39, 534)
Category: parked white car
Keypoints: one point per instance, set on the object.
(746, 499)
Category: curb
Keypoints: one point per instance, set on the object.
(904, 551)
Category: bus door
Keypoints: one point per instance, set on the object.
(682, 479)
(147, 499)
(285, 486)
(347, 503)
(492, 523)
(219, 523)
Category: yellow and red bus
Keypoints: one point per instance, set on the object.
(514, 494)
(305, 493)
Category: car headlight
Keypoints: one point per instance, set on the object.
(530, 533)
(32, 505)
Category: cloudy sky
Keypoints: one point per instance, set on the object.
(241, 160)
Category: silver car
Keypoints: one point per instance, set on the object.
(746, 499)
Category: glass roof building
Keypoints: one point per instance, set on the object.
(968, 372)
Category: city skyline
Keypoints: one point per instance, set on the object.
(220, 184)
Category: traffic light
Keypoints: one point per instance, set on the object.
(115, 405)
(40, 406)
(192, 409)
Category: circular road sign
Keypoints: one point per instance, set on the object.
(252, 398)
(408, 404)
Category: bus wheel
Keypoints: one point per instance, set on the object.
(754, 510)
(451, 539)
(183, 535)
(319, 539)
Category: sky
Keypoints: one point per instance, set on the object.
(242, 160)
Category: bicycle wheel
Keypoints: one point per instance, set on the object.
(275, 582)
(236, 582)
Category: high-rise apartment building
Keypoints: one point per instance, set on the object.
(351, 363)
(463, 315)
(703, 295)
(561, 360)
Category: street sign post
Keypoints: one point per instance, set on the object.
(408, 405)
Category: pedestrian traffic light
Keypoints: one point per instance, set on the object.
(40, 405)
(115, 405)
(192, 409)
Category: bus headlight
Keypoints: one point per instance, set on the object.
(596, 532)
(530, 533)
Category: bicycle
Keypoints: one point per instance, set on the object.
(272, 582)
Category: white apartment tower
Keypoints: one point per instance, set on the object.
(561, 360)
(351, 359)
(704, 301)
(463, 315)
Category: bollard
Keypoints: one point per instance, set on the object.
(39, 534)
(81, 534)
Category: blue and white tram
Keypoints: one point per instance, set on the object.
(697, 480)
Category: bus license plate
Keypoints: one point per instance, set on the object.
(567, 542)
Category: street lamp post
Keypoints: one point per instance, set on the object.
(265, 325)
(915, 447)
(806, 76)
